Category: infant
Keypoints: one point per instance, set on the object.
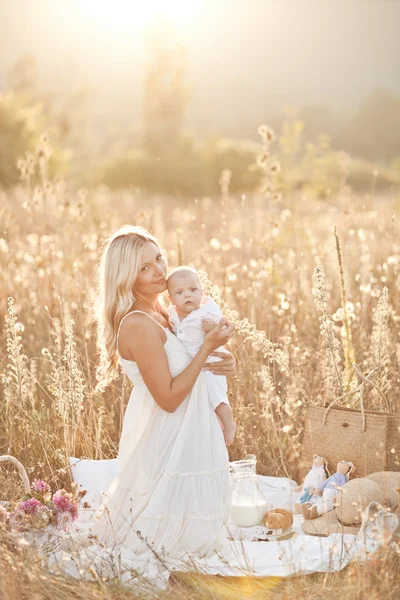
(191, 315)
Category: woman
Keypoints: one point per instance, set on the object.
(172, 491)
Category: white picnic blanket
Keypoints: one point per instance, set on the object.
(300, 554)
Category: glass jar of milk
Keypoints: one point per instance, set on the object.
(248, 503)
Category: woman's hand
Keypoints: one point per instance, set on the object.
(226, 366)
(219, 335)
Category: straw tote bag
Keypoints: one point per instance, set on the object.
(370, 440)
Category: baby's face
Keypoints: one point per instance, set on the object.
(185, 292)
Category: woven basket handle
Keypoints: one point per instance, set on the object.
(364, 379)
(21, 470)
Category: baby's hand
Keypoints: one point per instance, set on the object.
(207, 324)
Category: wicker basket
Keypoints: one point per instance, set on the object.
(45, 542)
(370, 440)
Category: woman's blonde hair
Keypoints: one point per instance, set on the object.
(118, 270)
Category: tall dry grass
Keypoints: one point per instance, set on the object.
(312, 287)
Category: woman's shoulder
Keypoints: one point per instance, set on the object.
(139, 320)
(134, 319)
(136, 327)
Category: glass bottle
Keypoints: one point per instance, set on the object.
(249, 505)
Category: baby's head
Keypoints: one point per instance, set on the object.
(184, 290)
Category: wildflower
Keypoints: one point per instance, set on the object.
(64, 519)
(19, 327)
(266, 133)
(41, 486)
(274, 167)
(262, 159)
(29, 507)
(63, 502)
(379, 351)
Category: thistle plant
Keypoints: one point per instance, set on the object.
(332, 370)
(18, 384)
(379, 353)
(269, 166)
(345, 331)
(67, 384)
(34, 174)
(258, 338)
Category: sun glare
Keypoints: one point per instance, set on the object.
(127, 16)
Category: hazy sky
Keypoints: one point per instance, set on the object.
(247, 57)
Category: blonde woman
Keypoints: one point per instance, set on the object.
(172, 491)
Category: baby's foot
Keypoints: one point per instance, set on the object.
(229, 433)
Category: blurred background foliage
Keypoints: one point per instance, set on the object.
(160, 154)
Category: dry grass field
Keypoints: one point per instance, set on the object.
(312, 285)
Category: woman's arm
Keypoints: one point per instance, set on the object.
(143, 342)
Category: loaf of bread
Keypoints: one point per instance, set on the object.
(278, 518)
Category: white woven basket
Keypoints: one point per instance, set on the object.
(21, 470)
(46, 542)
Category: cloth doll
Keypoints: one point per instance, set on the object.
(315, 476)
(324, 496)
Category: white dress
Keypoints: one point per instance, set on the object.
(190, 333)
(173, 482)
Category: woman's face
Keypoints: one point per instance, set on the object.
(153, 271)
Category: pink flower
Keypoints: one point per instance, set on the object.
(63, 502)
(64, 519)
(29, 507)
(41, 486)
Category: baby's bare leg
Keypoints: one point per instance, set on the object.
(224, 412)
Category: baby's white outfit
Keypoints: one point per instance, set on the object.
(189, 332)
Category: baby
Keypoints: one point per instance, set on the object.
(191, 316)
